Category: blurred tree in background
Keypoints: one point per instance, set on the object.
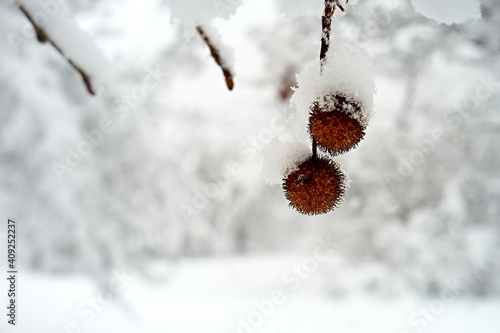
(178, 175)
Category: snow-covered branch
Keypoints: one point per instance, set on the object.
(43, 37)
(216, 49)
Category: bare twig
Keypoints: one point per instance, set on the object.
(42, 37)
(326, 25)
(217, 57)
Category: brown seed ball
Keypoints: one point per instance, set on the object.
(335, 124)
(316, 187)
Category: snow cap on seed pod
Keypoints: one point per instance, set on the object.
(317, 186)
(282, 158)
(337, 123)
(347, 72)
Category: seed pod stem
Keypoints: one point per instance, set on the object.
(315, 149)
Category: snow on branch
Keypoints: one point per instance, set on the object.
(218, 52)
(326, 24)
(43, 37)
(54, 25)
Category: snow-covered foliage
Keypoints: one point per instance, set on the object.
(449, 11)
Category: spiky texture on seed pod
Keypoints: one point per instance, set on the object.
(335, 123)
(316, 187)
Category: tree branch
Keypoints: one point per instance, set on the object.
(43, 37)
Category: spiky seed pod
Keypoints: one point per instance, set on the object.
(335, 123)
(317, 187)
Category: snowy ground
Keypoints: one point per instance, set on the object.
(235, 295)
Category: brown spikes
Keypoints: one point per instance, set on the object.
(335, 124)
(316, 187)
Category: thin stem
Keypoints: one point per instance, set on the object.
(217, 57)
(43, 37)
(326, 28)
